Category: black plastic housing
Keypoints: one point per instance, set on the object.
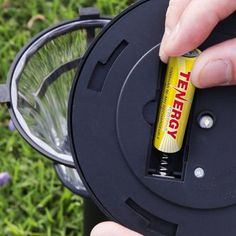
(112, 115)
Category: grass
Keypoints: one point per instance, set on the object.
(35, 203)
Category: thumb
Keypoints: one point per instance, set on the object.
(216, 66)
(111, 228)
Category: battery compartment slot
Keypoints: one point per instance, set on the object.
(163, 165)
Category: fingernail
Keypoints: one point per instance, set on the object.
(162, 53)
(214, 73)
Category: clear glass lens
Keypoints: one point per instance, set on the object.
(41, 84)
(71, 177)
(46, 113)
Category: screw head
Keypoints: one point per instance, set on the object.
(206, 122)
(199, 173)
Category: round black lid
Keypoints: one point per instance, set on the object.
(113, 108)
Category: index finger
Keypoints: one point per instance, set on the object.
(196, 23)
(173, 14)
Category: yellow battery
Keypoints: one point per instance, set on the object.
(176, 101)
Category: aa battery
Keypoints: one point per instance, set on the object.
(175, 105)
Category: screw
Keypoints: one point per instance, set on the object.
(206, 122)
(199, 173)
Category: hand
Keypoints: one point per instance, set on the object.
(111, 228)
(188, 24)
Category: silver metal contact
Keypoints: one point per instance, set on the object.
(199, 172)
(206, 122)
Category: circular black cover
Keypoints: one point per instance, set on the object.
(113, 108)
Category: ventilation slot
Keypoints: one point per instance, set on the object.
(157, 226)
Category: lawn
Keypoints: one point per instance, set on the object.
(34, 203)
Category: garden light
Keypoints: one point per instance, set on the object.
(107, 139)
(113, 115)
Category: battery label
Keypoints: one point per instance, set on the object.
(176, 101)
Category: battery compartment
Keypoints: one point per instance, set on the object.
(165, 165)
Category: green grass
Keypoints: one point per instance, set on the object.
(35, 203)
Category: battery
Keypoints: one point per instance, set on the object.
(176, 101)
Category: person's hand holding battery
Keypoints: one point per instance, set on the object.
(188, 24)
